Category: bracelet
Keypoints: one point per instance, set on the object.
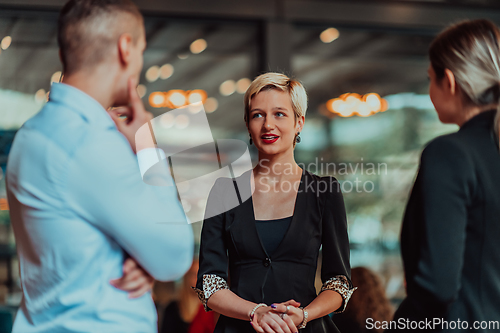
(255, 308)
(304, 322)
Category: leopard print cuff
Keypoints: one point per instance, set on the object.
(211, 284)
(340, 284)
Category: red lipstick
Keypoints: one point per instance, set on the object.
(269, 138)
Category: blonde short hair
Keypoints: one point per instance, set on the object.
(279, 82)
(470, 49)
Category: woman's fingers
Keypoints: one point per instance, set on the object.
(292, 302)
(289, 322)
(256, 326)
(282, 324)
(274, 326)
(267, 328)
(279, 307)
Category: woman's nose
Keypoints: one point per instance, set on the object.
(269, 123)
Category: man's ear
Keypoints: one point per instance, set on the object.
(450, 81)
(124, 48)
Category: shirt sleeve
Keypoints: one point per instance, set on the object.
(105, 188)
(212, 274)
(335, 268)
(437, 215)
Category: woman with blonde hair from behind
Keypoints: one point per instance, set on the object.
(449, 239)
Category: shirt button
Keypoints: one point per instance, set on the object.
(267, 262)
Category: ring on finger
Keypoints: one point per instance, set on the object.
(282, 315)
(287, 309)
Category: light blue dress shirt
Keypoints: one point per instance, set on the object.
(77, 202)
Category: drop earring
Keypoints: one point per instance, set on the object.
(297, 138)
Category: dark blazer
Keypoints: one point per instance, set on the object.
(231, 250)
(450, 240)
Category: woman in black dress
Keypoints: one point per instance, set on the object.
(450, 233)
(258, 258)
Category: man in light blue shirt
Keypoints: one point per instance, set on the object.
(77, 201)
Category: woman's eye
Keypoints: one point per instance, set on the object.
(255, 115)
(280, 114)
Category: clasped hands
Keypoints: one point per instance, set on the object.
(278, 318)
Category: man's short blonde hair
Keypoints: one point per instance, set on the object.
(279, 82)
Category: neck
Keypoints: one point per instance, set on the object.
(470, 112)
(98, 83)
(277, 165)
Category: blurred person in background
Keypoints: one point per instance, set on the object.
(449, 239)
(186, 314)
(78, 204)
(268, 245)
(368, 302)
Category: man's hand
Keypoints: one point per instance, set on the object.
(135, 280)
(136, 116)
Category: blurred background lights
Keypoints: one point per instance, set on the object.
(211, 104)
(351, 104)
(4, 205)
(202, 203)
(177, 98)
(196, 107)
(166, 71)
(157, 99)
(182, 56)
(56, 77)
(227, 88)
(181, 121)
(6, 41)
(142, 90)
(153, 73)
(41, 96)
(242, 85)
(167, 120)
(197, 96)
(329, 35)
(198, 46)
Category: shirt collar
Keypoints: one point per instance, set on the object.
(83, 104)
(482, 119)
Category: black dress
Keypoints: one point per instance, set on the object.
(451, 230)
(233, 256)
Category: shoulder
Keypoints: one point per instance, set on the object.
(228, 193)
(225, 185)
(323, 187)
(448, 160)
(58, 126)
(321, 181)
(450, 149)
